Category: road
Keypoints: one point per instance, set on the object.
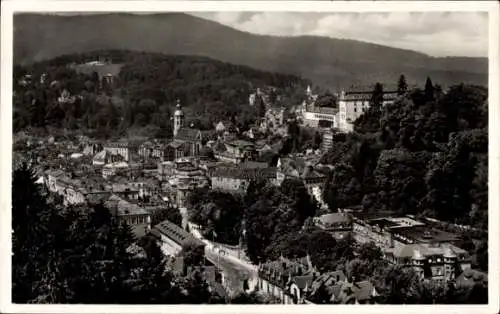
(235, 271)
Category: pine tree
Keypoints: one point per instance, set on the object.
(402, 86)
(377, 98)
(429, 90)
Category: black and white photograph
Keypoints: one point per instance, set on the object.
(249, 153)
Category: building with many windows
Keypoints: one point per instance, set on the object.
(352, 104)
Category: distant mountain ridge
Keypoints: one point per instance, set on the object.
(326, 61)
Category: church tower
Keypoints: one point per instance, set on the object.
(178, 118)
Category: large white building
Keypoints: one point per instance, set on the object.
(351, 105)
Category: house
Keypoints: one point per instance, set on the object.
(338, 224)
(114, 169)
(51, 179)
(235, 151)
(237, 179)
(105, 157)
(361, 292)
(322, 287)
(125, 191)
(130, 213)
(438, 262)
(171, 238)
(225, 126)
(288, 280)
(301, 169)
(119, 148)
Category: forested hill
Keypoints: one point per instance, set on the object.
(331, 62)
(144, 93)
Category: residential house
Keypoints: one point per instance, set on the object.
(125, 191)
(439, 262)
(237, 179)
(288, 280)
(361, 292)
(130, 213)
(235, 151)
(300, 169)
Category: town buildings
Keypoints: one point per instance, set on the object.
(118, 148)
(335, 288)
(235, 152)
(438, 262)
(236, 179)
(287, 280)
(300, 169)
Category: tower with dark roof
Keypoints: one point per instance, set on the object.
(178, 118)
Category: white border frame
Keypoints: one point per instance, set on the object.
(9, 7)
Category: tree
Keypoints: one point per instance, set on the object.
(193, 254)
(317, 140)
(377, 97)
(170, 213)
(369, 251)
(248, 298)
(429, 90)
(402, 86)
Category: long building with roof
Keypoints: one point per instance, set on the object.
(171, 238)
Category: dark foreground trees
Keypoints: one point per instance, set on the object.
(72, 257)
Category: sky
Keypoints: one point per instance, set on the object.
(437, 34)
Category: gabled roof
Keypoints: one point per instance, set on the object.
(188, 134)
(303, 281)
(175, 144)
(361, 291)
(333, 218)
(175, 233)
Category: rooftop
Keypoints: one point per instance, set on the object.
(124, 208)
(175, 233)
(408, 251)
(334, 218)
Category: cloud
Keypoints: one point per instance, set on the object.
(434, 33)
